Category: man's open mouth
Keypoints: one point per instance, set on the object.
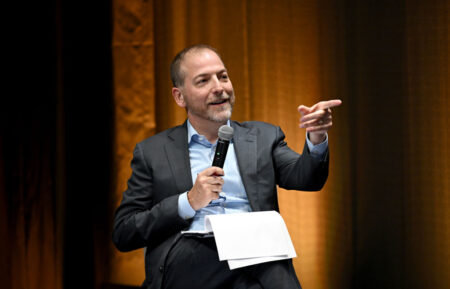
(219, 102)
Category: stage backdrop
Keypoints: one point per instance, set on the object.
(382, 219)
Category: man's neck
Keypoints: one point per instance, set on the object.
(207, 128)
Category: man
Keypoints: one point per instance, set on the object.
(173, 185)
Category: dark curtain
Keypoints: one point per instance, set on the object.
(56, 143)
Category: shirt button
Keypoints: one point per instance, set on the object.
(161, 268)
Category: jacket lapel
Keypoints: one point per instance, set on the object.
(245, 146)
(177, 153)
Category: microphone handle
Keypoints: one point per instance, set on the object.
(220, 154)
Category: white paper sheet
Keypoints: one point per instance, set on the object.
(250, 238)
(238, 263)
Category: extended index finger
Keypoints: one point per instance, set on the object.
(328, 104)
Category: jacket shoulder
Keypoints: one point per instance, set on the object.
(255, 124)
(161, 138)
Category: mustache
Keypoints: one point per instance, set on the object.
(224, 97)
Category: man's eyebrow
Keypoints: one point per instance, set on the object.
(207, 74)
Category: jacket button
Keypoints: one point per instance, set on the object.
(161, 268)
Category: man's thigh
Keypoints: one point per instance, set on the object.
(275, 275)
(193, 262)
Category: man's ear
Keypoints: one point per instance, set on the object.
(178, 97)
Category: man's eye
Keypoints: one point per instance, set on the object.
(224, 76)
(202, 80)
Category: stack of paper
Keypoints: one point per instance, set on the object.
(245, 239)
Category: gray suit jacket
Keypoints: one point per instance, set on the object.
(148, 214)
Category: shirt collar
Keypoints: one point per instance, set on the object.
(192, 131)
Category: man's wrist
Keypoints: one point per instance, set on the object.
(318, 150)
(185, 209)
(317, 138)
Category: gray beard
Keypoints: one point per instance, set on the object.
(223, 116)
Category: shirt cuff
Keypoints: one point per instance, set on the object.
(317, 151)
(185, 210)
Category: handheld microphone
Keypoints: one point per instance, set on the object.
(225, 136)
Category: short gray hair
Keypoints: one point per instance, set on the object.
(176, 74)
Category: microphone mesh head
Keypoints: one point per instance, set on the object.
(226, 132)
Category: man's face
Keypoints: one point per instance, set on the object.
(207, 91)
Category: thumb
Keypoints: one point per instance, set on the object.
(303, 109)
(215, 171)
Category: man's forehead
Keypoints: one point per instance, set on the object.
(201, 58)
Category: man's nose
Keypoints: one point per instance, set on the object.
(217, 87)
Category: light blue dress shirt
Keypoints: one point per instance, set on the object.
(233, 198)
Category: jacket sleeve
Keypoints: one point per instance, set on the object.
(140, 221)
(295, 171)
